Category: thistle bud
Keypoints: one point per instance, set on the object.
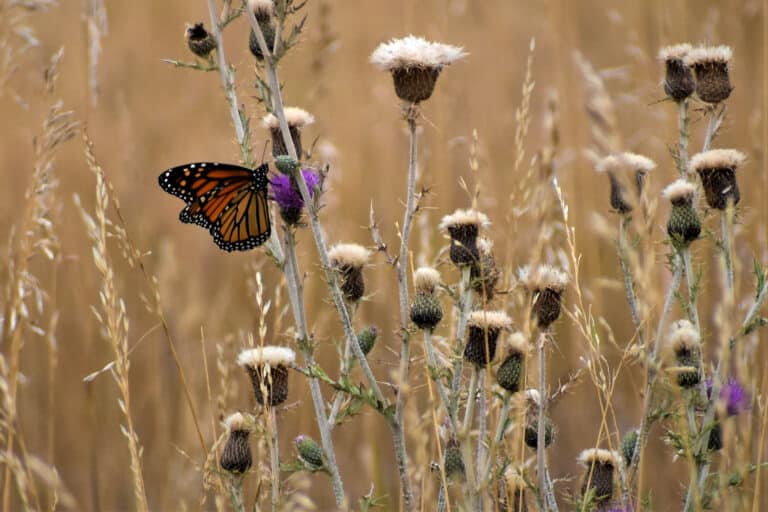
(348, 260)
(426, 311)
(483, 329)
(367, 339)
(678, 82)
(199, 40)
(510, 373)
(463, 227)
(546, 285)
(685, 343)
(236, 457)
(415, 64)
(532, 431)
(454, 464)
(601, 466)
(296, 119)
(268, 368)
(310, 452)
(717, 170)
(713, 83)
(683, 225)
(484, 273)
(262, 11)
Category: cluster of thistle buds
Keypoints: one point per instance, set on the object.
(702, 69)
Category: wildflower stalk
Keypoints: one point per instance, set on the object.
(715, 119)
(235, 485)
(319, 237)
(482, 420)
(465, 308)
(296, 297)
(501, 427)
(682, 148)
(541, 458)
(629, 285)
(274, 458)
(238, 117)
(726, 224)
(693, 313)
(466, 445)
(651, 366)
(432, 364)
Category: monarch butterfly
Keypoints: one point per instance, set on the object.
(228, 200)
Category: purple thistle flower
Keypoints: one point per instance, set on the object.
(735, 396)
(286, 194)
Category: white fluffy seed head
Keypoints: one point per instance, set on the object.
(516, 343)
(350, 255)
(268, 355)
(675, 52)
(261, 8)
(636, 162)
(708, 54)
(295, 117)
(235, 422)
(599, 456)
(717, 159)
(684, 336)
(464, 218)
(543, 277)
(679, 189)
(414, 52)
(489, 320)
(426, 279)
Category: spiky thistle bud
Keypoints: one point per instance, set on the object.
(628, 446)
(236, 457)
(483, 329)
(601, 466)
(348, 260)
(713, 82)
(626, 174)
(683, 225)
(262, 10)
(415, 64)
(510, 373)
(512, 493)
(367, 338)
(685, 343)
(463, 226)
(678, 81)
(426, 311)
(268, 368)
(310, 452)
(297, 119)
(531, 434)
(546, 285)
(484, 273)
(454, 464)
(199, 40)
(717, 170)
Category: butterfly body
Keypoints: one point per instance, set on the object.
(228, 200)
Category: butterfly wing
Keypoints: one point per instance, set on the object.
(228, 200)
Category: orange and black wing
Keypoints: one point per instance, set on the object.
(228, 200)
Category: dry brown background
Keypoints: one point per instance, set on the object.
(151, 116)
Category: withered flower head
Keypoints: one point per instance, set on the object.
(717, 170)
(199, 40)
(601, 466)
(236, 457)
(546, 285)
(268, 368)
(349, 260)
(296, 119)
(483, 329)
(713, 83)
(415, 64)
(678, 82)
(463, 226)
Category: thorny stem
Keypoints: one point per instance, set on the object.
(236, 492)
(629, 285)
(465, 307)
(274, 457)
(690, 278)
(651, 367)
(682, 124)
(727, 241)
(228, 83)
(402, 269)
(541, 458)
(319, 237)
(501, 427)
(296, 296)
(482, 420)
(466, 445)
(713, 126)
(432, 363)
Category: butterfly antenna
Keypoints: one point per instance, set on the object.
(264, 150)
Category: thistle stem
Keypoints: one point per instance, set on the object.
(235, 485)
(482, 420)
(693, 312)
(501, 427)
(629, 285)
(274, 457)
(465, 307)
(466, 445)
(541, 458)
(682, 125)
(432, 364)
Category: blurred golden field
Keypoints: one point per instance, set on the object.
(149, 116)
